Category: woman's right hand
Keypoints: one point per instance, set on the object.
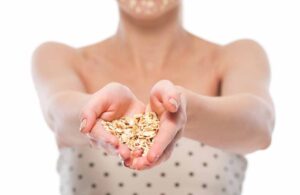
(111, 102)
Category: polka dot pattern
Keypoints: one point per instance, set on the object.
(193, 169)
(149, 185)
(94, 185)
(91, 164)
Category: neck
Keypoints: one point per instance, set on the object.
(150, 43)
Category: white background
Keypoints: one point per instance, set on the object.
(28, 152)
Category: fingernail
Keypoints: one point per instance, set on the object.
(126, 163)
(82, 125)
(174, 102)
(156, 158)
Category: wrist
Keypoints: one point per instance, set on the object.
(194, 107)
(184, 96)
(64, 108)
(62, 114)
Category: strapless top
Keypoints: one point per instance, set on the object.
(193, 169)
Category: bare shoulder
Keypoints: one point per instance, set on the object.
(244, 52)
(243, 47)
(49, 52)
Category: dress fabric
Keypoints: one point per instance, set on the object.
(193, 169)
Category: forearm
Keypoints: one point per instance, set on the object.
(239, 123)
(62, 111)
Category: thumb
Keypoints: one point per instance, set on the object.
(165, 96)
(91, 111)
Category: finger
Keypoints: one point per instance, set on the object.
(94, 108)
(98, 133)
(168, 151)
(141, 163)
(167, 132)
(124, 152)
(137, 153)
(164, 93)
(127, 163)
(165, 156)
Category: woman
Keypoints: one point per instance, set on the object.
(212, 100)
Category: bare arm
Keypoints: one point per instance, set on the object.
(67, 105)
(60, 89)
(241, 120)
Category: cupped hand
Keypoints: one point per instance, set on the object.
(111, 102)
(170, 106)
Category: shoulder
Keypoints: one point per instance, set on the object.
(243, 48)
(50, 52)
(51, 55)
(244, 52)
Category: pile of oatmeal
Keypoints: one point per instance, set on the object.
(136, 132)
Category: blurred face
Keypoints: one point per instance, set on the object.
(150, 9)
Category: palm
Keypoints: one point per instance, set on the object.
(111, 102)
(172, 122)
(118, 101)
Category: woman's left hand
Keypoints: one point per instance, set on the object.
(169, 103)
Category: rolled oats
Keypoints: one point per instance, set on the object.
(137, 132)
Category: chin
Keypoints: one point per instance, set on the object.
(147, 9)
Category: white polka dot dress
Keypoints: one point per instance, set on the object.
(193, 169)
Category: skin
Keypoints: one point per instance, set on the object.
(216, 94)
